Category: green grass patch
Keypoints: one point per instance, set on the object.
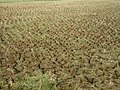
(38, 81)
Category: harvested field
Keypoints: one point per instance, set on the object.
(76, 41)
